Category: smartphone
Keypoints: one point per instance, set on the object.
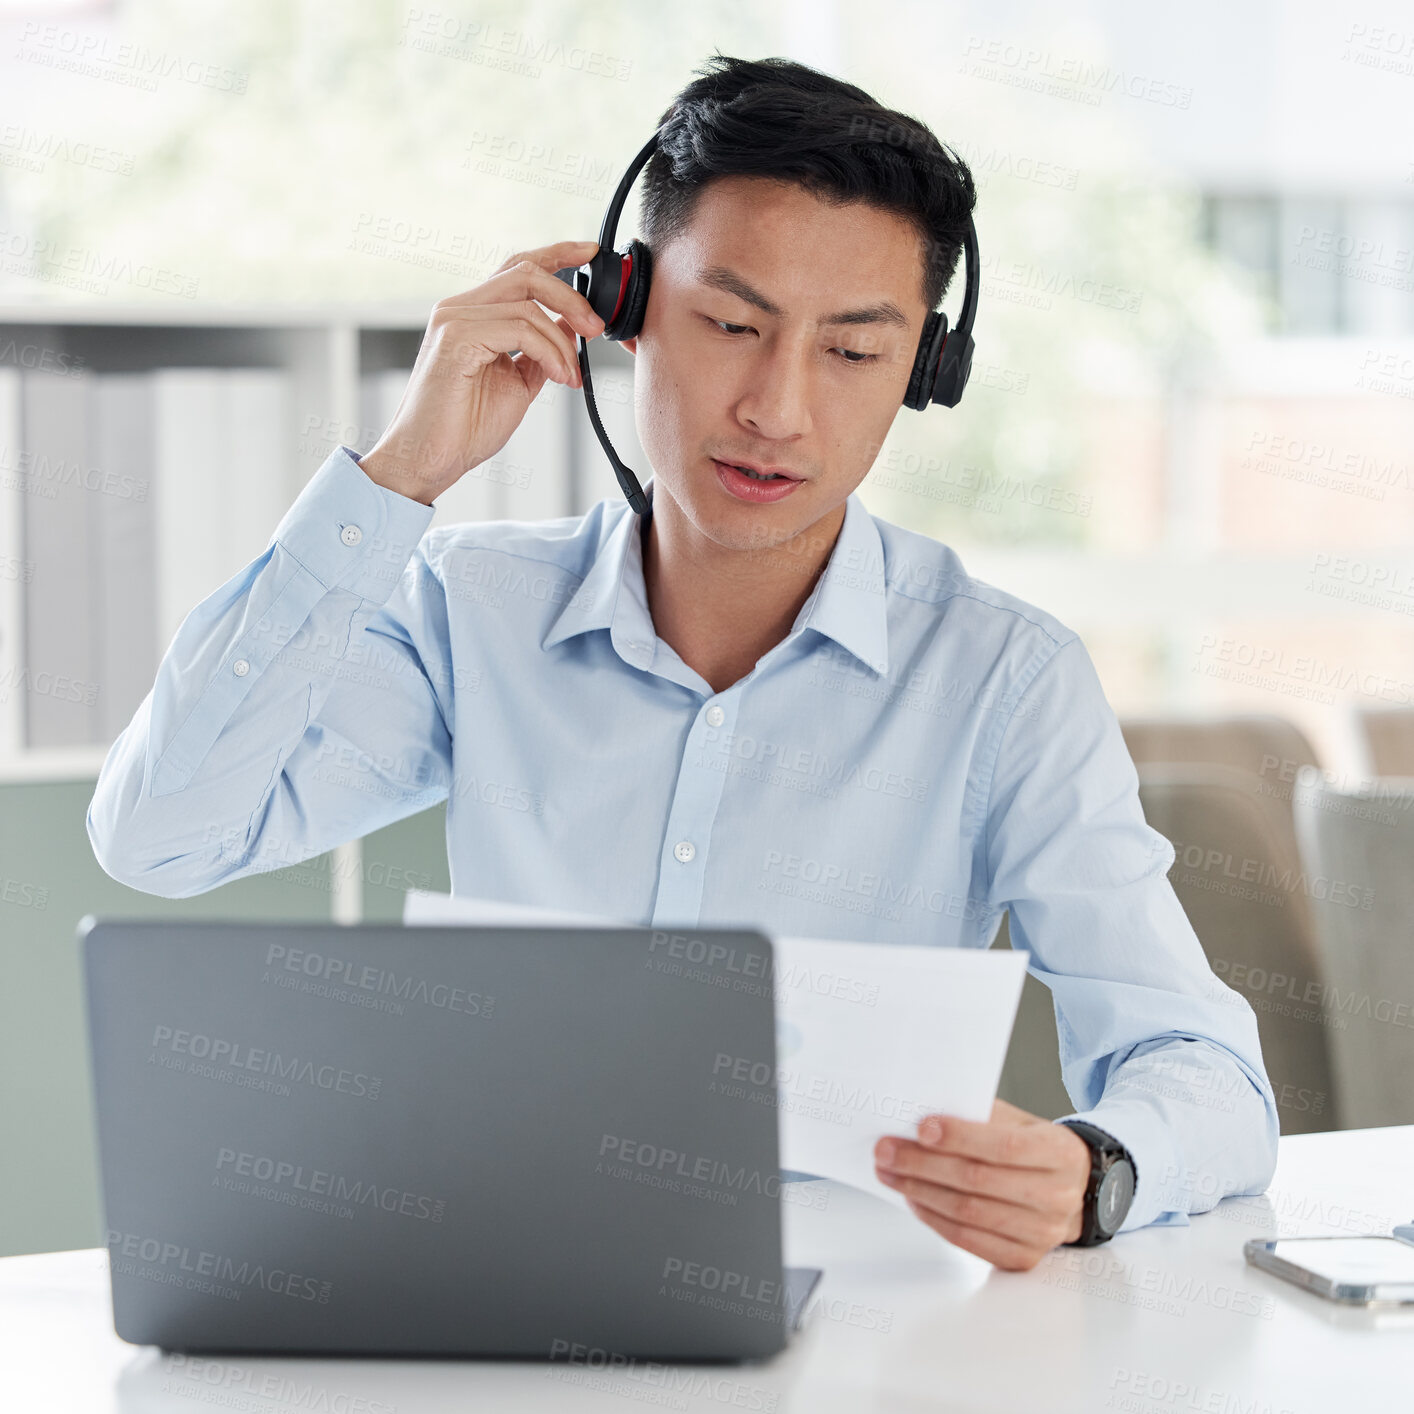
(1354, 1270)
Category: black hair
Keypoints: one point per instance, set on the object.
(779, 118)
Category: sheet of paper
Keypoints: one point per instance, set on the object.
(870, 1037)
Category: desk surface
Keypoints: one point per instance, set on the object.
(1159, 1321)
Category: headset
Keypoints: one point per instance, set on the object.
(616, 285)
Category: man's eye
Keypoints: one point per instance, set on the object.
(850, 355)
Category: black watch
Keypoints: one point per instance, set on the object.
(1111, 1187)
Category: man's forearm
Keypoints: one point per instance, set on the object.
(1199, 1127)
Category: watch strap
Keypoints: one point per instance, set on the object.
(1105, 1149)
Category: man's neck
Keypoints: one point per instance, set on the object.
(720, 610)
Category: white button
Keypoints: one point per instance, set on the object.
(240, 667)
(684, 851)
(715, 716)
(352, 535)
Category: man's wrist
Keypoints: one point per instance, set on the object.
(378, 470)
(1109, 1193)
(1083, 1166)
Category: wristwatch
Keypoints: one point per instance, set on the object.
(1111, 1187)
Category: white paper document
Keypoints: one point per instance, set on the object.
(870, 1037)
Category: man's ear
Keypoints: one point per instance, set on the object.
(630, 344)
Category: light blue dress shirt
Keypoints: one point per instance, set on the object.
(921, 752)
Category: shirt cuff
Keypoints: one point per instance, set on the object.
(351, 533)
(1150, 1147)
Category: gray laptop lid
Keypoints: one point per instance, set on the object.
(436, 1140)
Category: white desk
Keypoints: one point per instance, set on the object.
(1159, 1321)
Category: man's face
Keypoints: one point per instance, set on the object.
(720, 378)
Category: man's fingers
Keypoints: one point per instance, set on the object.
(531, 275)
(530, 316)
(553, 257)
(1000, 1251)
(1022, 1225)
(509, 334)
(1024, 1145)
(1027, 1187)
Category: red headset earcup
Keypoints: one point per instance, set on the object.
(606, 283)
(635, 296)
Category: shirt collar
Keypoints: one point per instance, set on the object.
(846, 605)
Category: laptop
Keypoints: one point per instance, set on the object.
(371, 1139)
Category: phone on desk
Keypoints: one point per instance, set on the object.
(1355, 1270)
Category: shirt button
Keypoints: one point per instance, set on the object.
(240, 667)
(715, 716)
(684, 851)
(352, 535)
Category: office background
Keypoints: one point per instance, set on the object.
(1187, 434)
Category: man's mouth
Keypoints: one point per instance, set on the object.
(757, 473)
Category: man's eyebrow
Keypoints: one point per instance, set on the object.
(720, 278)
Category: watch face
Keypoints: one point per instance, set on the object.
(1115, 1195)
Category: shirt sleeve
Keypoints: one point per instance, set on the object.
(302, 704)
(1155, 1050)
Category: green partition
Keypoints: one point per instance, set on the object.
(49, 880)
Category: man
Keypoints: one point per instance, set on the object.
(759, 705)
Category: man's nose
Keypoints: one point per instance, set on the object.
(777, 400)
